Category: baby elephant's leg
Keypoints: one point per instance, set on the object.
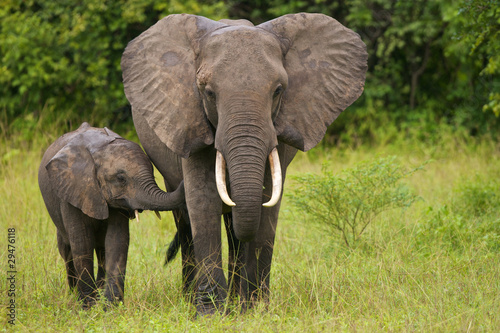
(65, 251)
(81, 238)
(116, 245)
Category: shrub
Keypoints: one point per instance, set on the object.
(470, 218)
(350, 201)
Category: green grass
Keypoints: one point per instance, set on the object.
(435, 267)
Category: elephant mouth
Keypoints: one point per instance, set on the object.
(133, 214)
(220, 177)
(126, 208)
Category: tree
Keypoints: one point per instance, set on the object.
(430, 61)
(479, 40)
(64, 55)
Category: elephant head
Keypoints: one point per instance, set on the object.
(243, 88)
(97, 169)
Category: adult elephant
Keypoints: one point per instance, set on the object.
(207, 93)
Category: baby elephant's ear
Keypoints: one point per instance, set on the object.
(72, 175)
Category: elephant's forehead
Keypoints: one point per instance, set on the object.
(241, 40)
(242, 51)
(239, 30)
(122, 154)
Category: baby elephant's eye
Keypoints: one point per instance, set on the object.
(120, 177)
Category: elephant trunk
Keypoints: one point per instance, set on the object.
(246, 176)
(150, 197)
(274, 163)
(245, 148)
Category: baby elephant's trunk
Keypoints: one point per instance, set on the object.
(151, 197)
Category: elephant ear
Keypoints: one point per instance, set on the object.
(72, 174)
(159, 77)
(326, 65)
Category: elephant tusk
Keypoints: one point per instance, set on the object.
(158, 214)
(220, 179)
(137, 215)
(274, 162)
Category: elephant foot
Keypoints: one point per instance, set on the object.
(209, 300)
(88, 302)
(113, 297)
(257, 296)
(204, 310)
(250, 304)
(110, 305)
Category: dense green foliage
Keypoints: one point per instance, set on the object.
(64, 57)
(431, 62)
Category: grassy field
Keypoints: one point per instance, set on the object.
(433, 268)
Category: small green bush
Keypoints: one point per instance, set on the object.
(478, 197)
(470, 218)
(350, 201)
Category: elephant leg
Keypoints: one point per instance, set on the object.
(187, 249)
(116, 245)
(65, 251)
(258, 256)
(235, 260)
(205, 208)
(81, 237)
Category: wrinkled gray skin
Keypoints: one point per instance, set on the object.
(197, 86)
(92, 180)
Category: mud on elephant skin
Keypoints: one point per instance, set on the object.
(93, 181)
(244, 98)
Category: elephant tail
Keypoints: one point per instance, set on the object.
(173, 248)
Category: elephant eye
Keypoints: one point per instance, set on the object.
(210, 94)
(278, 91)
(120, 177)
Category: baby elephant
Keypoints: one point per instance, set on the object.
(93, 181)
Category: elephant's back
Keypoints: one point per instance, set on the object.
(60, 143)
